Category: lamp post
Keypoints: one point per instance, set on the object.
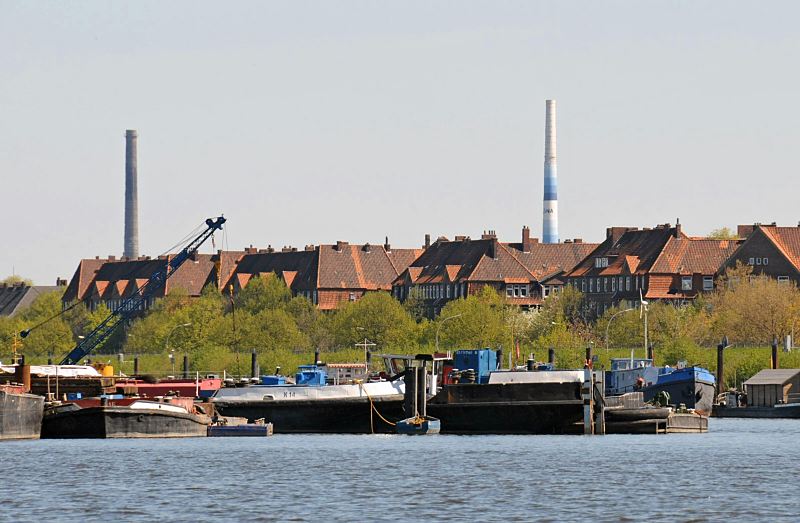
(609, 323)
(166, 344)
(440, 326)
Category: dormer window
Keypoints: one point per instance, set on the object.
(686, 283)
(601, 262)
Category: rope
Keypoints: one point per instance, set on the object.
(373, 407)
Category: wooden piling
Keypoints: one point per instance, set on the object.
(185, 366)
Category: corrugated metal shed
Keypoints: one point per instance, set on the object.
(772, 386)
(773, 377)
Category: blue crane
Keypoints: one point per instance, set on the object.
(138, 300)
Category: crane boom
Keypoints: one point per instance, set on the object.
(137, 301)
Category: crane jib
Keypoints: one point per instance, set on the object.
(138, 300)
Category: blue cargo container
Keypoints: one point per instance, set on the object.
(482, 361)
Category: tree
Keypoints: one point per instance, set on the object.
(379, 318)
(15, 279)
(263, 292)
(723, 233)
(753, 309)
(50, 334)
(477, 321)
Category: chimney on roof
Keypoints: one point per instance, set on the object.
(367, 247)
(340, 245)
(386, 246)
(270, 249)
(111, 257)
(677, 232)
(488, 235)
(577, 240)
(309, 247)
(131, 247)
(526, 239)
(61, 282)
(743, 231)
(493, 248)
(427, 241)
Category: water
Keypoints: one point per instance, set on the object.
(741, 470)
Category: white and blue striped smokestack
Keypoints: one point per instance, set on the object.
(550, 216)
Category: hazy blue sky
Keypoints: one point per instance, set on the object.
(311, 122)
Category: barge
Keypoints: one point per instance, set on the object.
(20, 413)
(771, 393)
(690, 386)
(124, 418)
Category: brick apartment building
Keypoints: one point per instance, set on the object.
(661, 263)
(455, 269)
(328, 275)
(770, 250)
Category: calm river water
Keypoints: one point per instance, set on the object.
(741, 470)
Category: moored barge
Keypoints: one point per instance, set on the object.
(20, 413)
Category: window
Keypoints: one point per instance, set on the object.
(758, 261)
(708, 283)
(783, 279)
(752, 261)
(601, 262)
(686, 283)
(605, 284)
(613, 285)
(591, 284)
(523, 291)
(583, 285)
(627, 283)
(509, 291)
(766, 261)
(352, 296)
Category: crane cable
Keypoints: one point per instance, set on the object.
(25, 332)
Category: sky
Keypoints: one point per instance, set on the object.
(312, 122)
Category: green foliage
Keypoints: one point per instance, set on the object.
(15, 279)
(264, 292)
(379, 318)
(723, 233)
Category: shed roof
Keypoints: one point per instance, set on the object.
(773, 377)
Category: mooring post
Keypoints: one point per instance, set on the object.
(253, 364)
(410, 397)
(650, 354)
(589, 355)
(775, 352)
(721, 364)
(551, 356)
(587, 390)
(422, 395)
(185, 366)
(136, 366)
(600, 403)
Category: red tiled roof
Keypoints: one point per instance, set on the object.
(548, 258)
(787, 240)
(692, 255)
(82, 279)
(644, 246)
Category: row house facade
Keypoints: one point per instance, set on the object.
(328, 275)
(110, 280)
(449, 270)
(661, 263)
(769, 250)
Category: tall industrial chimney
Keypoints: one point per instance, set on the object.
(131, 197)
(550, 217)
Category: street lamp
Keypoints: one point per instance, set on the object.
(166, 344)
(609, 323)
(440, 326)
